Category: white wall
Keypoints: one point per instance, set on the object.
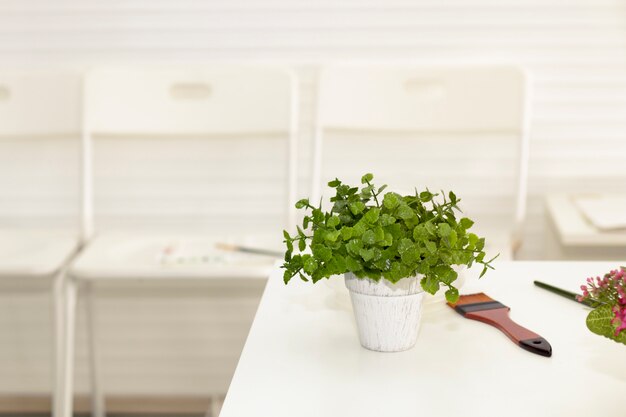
(576, 50)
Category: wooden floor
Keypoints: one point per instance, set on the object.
(136, 406)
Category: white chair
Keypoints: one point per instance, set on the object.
(457, 128)
(40, 122)
(221, 142)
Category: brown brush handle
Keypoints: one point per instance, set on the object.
(499, 318)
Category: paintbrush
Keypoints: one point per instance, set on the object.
(483, 308)
(567, 294)
(255, 251)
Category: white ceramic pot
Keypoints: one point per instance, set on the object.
(387, 315)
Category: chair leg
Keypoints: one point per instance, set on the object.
(97, 393)
(67, 376)
(215, 406)
(57, 341)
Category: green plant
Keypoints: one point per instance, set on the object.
(386, 236)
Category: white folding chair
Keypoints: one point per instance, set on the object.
(457, 128)
(39, 146)
(199, 155)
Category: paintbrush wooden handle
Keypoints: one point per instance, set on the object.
(500, 319)
(497, 315)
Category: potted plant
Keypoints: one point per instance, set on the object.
(391, 248)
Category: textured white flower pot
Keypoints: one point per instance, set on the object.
(387, 315)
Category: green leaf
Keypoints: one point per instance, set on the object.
(302, 245)
(404, 245)
(483, 272)
(410, 256)
(466, 223)
(286, 235)
(334, 183)
(452, 295)
(379, 234)
(452, 238)
(366, 178)
(599, 322)
(388, 241)
(339, 264)
(332, 236)
(333, 221)
(356, 207)
(353, 265)
(426, 196)
(430, 246)
(310, 265)
(367, 254)
(347, 232)
(430, 285)
(354, 246)
(419, 233)
(443, 229)
(372, 215)
(303, 278)
(445, 273)
(387, 219)
(302, 203)
(369, 237)
(405, 212)
(473, 239)
(321, 252)
(391, 201)
(287, 276)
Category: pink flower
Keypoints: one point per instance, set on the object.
(619, 319)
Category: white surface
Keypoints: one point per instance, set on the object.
(604, 212)
(574, 229)
(38, 253)
(136, 256)
(302, 356)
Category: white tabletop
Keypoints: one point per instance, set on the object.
(119, 255)
(35, 253)
(303, 358)
(574, 229)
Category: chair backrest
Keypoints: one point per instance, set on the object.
(40, 124)
(459, 128)
(212, 146)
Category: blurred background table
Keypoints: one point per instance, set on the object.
(570, 235)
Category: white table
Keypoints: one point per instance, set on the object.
(571, 236)
(302, 357)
